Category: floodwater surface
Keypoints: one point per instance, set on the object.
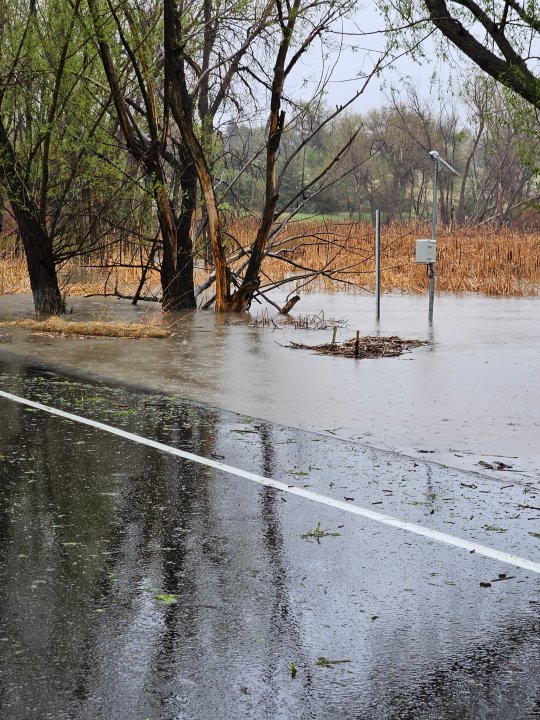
(139, 586)
(472, 395)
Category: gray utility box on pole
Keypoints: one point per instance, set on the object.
(426, 251)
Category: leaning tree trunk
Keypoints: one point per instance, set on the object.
(242, 298)
(182, 109)
(34, 237)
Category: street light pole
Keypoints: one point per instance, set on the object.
(431, 266)
(440, 164)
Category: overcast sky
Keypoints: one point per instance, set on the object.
(358, 55)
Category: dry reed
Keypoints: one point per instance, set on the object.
(90, 329)
(473, 260)
(13, 276)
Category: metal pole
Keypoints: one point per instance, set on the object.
(431, 266)
(434, 209)
(431, 271)
(378, 264)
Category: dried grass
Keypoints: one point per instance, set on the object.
(475, 260)
(90, 329)
(470, 260)
(13, 276)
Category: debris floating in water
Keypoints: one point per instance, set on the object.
(368, 346)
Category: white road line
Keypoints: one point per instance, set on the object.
(292, 490)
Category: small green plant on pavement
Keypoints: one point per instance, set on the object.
(318, 533)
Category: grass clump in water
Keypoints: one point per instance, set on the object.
(94, 328)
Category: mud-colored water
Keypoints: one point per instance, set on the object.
(473, 394)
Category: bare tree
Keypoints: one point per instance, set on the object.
(289, 30)
(505, 164)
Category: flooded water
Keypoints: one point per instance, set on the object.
(472, 395)
(139, 586)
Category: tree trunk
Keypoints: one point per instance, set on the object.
(242, 298)
(41, 267)
(177, 280)
(35, 239)
(465, 175)
(184, 233)
(177, 261)
(443, 207)
(182, 110)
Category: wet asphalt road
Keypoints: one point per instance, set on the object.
(135, 585)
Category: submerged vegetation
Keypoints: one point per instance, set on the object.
(332, 256)
(364, 347)
(91, 329)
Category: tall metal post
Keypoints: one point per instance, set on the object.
(377, 265)
(434, 208)
(431, 266)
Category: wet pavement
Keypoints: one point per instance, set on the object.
(135, 585)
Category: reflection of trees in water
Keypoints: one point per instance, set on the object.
(186, 497)
(488, 681)
(140, 519)
(55, 523)
(110, 525)
(42, 586)
(151, 551)
(283, 629)
(89, 540)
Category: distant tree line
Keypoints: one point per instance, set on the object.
(485, 134)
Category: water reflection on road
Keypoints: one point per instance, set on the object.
(134, 585)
